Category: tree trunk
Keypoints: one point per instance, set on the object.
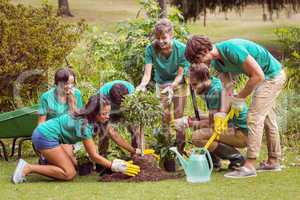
(63, 8)
(204, 13)
(163, 9)
(264, 11)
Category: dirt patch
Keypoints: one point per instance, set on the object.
(149, 172)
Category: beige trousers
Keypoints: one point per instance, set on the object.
(261, 115)
(233, 137)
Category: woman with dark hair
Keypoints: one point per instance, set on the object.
(61, 99)
(266, 79)
(211, 89)
(166, 56)
(49, 137)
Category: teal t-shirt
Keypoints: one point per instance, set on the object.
(50, 106)
(105, 89)
(66, 129)
(166, 69)
(213, 95)
(213, 101)
(235, 51)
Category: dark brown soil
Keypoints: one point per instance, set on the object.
(149, 172)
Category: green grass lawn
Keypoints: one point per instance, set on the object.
(270, 186)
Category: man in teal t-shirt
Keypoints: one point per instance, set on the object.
(234, 52)
(211, 89)
(266, 79)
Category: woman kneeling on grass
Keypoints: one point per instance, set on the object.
(49, 137)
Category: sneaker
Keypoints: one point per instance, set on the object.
(266, 167)
(242, 172)
(18, 176)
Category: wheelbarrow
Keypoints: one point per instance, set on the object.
(19, 125)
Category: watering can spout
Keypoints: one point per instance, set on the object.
(183, 162)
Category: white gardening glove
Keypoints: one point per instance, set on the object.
(124, 167)
(169, 91)
(181, 123)
(237, 105)
(77, 147)
(141, 87)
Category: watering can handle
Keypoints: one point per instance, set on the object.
(209, 158)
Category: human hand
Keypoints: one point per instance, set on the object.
(169, 91)
(141, 87)
(237, 105)
(124, 167)
(181, 123)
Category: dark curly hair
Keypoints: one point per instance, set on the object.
(117, 93)
(197, 46)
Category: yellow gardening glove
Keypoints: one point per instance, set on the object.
(147, 152)
(237, 105)
(219, 123)
(124, 167)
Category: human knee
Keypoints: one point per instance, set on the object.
(199, 138)
(69, 174)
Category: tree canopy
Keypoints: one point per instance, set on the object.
(192, 9)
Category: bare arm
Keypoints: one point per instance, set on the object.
(256, 76)
(120, 141)
(42, 118)
(178, 78)
(147, 75)
(224, 102)
(91, 150)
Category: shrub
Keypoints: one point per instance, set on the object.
(289, 38)
(32, 40)
(289, 104)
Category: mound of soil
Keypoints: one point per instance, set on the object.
(149, 172)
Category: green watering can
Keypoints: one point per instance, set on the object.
(196, 167)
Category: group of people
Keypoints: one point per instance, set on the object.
(64, 121)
